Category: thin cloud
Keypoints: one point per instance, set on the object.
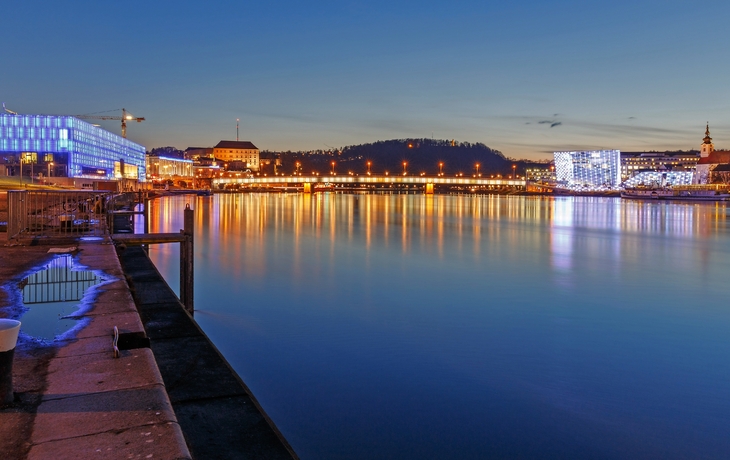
(630, 130)
(557, 123)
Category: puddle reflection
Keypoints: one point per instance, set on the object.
(52, 295)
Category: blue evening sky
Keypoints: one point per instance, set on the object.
(524, 77)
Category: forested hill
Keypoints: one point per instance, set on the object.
(420, 156)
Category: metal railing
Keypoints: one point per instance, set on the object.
(57, 213)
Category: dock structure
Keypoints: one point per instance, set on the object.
(168, 395)
(218, 414)
(73, 399)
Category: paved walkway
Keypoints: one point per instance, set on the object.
(73, 399)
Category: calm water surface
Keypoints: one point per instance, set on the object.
(411, 326)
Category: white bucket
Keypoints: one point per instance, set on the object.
(9, 329)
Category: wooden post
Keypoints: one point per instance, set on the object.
(186, 261)
(146, 221)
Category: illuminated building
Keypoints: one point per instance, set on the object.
(236, 153)
(64, 146)
(546, 174)
(159, 167)
(634, 163)
(711, 161)
(595, 169)
(659, 179)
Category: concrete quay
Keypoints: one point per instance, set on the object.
(173, 397)
(218, 414)
(73, 399)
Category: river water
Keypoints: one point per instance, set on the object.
(412, 326)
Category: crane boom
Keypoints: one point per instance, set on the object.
(124, 118)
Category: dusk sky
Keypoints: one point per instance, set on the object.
(523, 77)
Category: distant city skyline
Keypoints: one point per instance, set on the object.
(526, 77)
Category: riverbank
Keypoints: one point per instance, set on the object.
(75, 400)
(217, 412)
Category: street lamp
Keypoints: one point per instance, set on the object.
(368, 163)
(441, 168)
(333, 168)
(514, 171)
(405, 163)
(477, 165)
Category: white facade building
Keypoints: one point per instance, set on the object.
(589, 169)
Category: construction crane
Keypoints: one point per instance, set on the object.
(125, 118)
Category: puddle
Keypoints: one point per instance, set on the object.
(53, 296)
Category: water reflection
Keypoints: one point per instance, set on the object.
(402, 222)
(52, 295)
(411, 326)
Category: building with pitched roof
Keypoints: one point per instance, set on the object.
(241, 152)
(710, 160)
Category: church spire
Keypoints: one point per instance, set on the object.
(706, 148)
(707, 139)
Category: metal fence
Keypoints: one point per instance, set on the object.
(53, 213)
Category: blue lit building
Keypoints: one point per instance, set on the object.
(594, 169)
(64, 146)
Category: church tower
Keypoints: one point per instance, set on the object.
(707, 146)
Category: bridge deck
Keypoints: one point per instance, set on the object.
(395, 179)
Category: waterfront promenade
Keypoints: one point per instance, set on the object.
(170, 394)
(73, 398)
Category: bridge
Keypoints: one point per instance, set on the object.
(310, 183)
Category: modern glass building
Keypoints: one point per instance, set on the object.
(167, 168)
(67, 147)
(594, 169)
(660, 179)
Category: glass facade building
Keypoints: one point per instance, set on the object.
(67, 146)
(167, 168)
(594, 169)
(660, 179)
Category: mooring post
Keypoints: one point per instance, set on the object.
(146, 217)
(186, 261)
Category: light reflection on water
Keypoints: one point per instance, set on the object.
(411, 326)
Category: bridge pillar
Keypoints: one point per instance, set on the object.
(429, 189)
(307, 187)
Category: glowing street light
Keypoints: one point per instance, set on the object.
(333, 168)
(477, 165)
(441, 168)
(405, 163)
(369, 163)
(514, 170)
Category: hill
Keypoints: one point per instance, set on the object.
(420, 156)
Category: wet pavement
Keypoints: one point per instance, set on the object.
(73, 399)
